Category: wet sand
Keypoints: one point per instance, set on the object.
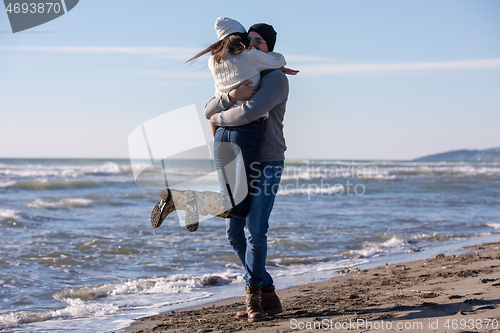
(444, 294)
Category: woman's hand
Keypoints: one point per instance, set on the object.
(213, 126)
(243, 93)
(289, 71)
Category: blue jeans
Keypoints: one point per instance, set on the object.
(229, 142)
(252, 250)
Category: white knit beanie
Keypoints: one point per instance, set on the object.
(226, 26)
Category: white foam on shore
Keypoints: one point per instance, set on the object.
(493, 225)
(76, 309)
(108, 167)
(91, 301)
(296, 267)
(178, 283)
(288, 261)
(63, 203)
(9, 214)
(7, 184)
(371, 249)
(58, 170)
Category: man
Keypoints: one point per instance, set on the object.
(270, 98)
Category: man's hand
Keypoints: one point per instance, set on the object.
(289, 71)
(213, 126)
(243, 93)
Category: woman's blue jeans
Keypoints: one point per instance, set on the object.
(252, 248)
(229, 142)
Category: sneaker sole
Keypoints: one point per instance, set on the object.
(192, 218)
(156, 215)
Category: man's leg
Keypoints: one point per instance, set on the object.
(257, 224)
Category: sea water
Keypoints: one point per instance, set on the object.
(78, 253)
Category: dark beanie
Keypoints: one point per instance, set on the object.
(267, 32)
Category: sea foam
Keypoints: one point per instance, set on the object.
(76, 309)
(174, 284)
(9, 214)
(493, 225)
(63, 203)
(371, 249)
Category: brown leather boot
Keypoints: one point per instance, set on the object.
(254, 308)
(270, 302)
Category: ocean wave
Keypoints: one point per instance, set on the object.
(38, 171)
(106, 168)
(406, 220)
(166, 285)
(63, 203)
(493, 225)
(7, 184)
(436, 237)
(414, 171)
(315, 265)
(76, 308)
(53, 184)
(380, 176)
(382, 170)
(9, 214)
(457, 169)
(335, 172)
(311, 189)
(371, 249)
(288, 261)
(43, 172)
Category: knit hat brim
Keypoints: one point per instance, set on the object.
(225, 26)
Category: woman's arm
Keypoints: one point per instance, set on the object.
(217, 104)
(265, 60)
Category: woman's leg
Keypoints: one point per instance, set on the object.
(213, 203)
(208, 203)
(225, 159)
(238, 145)
(248, 140)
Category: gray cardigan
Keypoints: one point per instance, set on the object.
(271, 97)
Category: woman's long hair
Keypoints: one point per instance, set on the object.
(233, 43)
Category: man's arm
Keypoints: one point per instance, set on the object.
(217, 104)
(272, 91)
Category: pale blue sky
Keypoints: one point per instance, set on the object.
(378, 80)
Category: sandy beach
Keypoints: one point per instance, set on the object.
(443, 294)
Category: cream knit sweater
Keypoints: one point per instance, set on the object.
(235, 69)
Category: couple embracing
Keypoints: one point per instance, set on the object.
(246, 115)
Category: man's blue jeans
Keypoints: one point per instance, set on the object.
(252, 249)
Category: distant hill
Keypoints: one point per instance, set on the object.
(487, 155)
